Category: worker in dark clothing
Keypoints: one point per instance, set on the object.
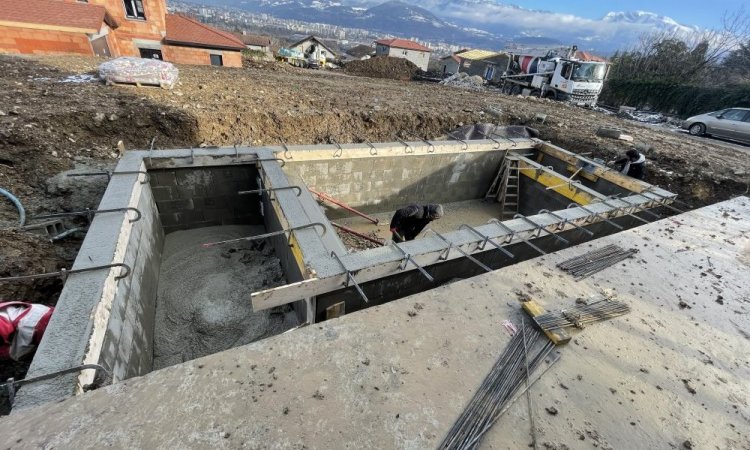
(632, 164)
(410, 220)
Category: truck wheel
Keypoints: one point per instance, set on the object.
(697, 129)
(515, 89)
(551, 94)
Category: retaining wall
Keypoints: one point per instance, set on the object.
(198, 197)
(384, 183)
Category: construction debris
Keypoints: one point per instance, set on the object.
(613, 133)
(464, 81)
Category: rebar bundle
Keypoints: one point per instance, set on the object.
(525, 352)
(595, 261)
(580, 316)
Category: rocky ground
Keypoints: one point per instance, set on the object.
(53, 120)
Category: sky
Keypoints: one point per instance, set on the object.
(703, 13)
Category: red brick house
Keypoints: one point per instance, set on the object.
(113, 28)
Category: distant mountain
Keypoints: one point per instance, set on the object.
(392, 17)
(661, 23)
(472, 23)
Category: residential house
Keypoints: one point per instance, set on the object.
(255, 42)
(314, 49)
(113, 28)
(360, 52)
(401, 48)
(488, 65)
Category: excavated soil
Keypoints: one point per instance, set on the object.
(49, 124)
(383, 67)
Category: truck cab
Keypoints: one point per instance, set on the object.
(579, 82)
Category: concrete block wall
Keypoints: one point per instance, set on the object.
(127, 350)
(386, 183)
(189, 198)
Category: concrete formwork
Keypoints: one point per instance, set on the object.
(105, 319)
(397, 375)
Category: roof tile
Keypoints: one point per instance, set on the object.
(403, 43)
(87, 17)
(184, 30)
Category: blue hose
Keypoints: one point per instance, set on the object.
(15, 201)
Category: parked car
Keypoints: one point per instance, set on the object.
(732, 123)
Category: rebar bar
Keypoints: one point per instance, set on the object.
(595, 261)
(580, 316)
(526, 351)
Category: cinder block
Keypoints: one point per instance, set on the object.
(162, 193)
(175, 206)
(162, 178)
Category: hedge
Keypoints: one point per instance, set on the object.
(673, 98)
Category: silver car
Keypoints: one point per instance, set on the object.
(732, 123)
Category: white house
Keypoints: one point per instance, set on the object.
(401, 48)
(314, 48)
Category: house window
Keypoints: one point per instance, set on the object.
(403, 51)
(134, 9)
(150, 53)
(217, 60)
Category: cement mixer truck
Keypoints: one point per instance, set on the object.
(561, 74)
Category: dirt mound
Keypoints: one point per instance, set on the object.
(26, 254)
(383, 67)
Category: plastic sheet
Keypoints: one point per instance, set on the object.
(139, 71)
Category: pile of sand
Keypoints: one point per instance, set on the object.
(203, 303)
(383, 67)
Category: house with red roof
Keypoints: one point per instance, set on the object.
(402, 48)
(113, 28)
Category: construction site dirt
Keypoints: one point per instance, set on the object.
(52, 120)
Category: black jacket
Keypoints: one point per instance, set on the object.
(410, 220)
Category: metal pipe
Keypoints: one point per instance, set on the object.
(258, 237)
(279, 160)
(486, 240)
(11, 385)
(64, 273)
(356, 233)
(282, 188)
(541, 228)
(91, 213)
(461, 251)
(513, 233)
(325, 197)
(565, 221)
(407, 259)
(350, 277)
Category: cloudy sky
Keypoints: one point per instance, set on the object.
(702, 13)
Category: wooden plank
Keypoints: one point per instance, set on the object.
(335, 311)
(583, 173)
(577, 194)
(282, 295)
(610, 175)
(559, 336)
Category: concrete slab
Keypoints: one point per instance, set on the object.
(397, 375)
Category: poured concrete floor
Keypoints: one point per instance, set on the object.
(471, 212)
(397, 375)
